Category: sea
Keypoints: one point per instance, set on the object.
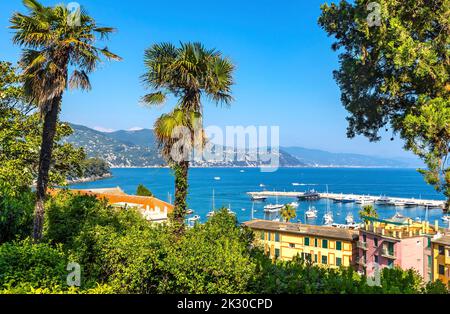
(230, 186)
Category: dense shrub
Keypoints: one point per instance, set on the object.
(210, 258)
(25, 266)
(16, 215)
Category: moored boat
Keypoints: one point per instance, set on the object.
(311, 213)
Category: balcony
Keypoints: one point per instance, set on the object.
(362, 245)
(388, 253)
(361, 261)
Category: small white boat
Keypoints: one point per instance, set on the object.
(328, 219)
(383, 200)
(365, 201)
(258, 198)
(411, 203)
(210, 214)
(296, 184)
(194, 218)
(230, 211)
(311, 213)
(273, 208)
(217, 178)
(399, 203)
(242, 171)
(261, 185)
(294, 204)
(446, 218)
(349, 219)
(189, 211)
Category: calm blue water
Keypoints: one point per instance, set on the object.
(232, 188)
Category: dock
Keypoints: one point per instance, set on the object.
(419, 202)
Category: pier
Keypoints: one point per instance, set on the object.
(418, 202)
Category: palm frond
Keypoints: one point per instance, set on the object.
(79, 79)
(153, 99)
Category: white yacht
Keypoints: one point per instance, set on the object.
(273, 208)
(446, 218)
(294, 204)
(194, 218)
(189, 211)
(210, 214)
(311, 213)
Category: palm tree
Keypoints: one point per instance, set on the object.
(53, 47)
(288, 212)
(187, 72)
(368, 211)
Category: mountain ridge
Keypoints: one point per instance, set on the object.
(139, 149)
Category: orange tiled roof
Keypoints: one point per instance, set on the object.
(116, 195)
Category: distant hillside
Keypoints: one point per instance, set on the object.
(315, 157)
(139, 149)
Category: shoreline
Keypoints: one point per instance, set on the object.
(90, 179)
(281, 167)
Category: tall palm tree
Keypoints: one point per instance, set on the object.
(368, 211)
(53, 45)
(288, 212)
(187, 72)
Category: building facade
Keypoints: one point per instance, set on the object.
(398, 241)
(322, 245)
(441, 258)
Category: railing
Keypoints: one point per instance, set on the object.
(362, 245)
(388, 253)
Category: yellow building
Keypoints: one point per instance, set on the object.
(441, 258)
(328, 246)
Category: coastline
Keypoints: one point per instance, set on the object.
(90, 179)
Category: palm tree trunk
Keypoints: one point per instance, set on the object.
(45, 158)
(181, 189)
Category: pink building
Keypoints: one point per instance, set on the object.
(397, 241)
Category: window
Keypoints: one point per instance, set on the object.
(268, 236)
(262, 235)
(441, 270)
(375, 242)
(390, 263)
(338, 261)
(390, 248)
(364, 238)
(316, 242)
(338, 245)
(430, 261)
(325, 244)
(315, 258)
(306, 241)
(277, 237)
(308, 257)
(291, 245)
(324, 259)
(441, 250)
(277, 253)
(428, 242)
(376, 258)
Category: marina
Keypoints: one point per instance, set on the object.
(347, 198)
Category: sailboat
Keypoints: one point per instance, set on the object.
(311, 212)
(211, 213)
(273, 208)
(194, 218)
(349, 219)
(328, 217)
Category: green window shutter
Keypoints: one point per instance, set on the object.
(325, 244)
(338, 261)
(306, 241)
(338, 245)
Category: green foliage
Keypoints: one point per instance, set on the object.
(93, 168)
(396, 75)
(16, 215)
(210, 258)
(25, 266)
(143, 191)
(368, 211)
(288, 212)
(427, 134)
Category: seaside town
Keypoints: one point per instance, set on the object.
(224, 155)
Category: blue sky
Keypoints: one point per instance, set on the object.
(283, 60)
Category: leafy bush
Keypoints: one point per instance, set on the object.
(16, 215)
(142, 190)
(25, 266)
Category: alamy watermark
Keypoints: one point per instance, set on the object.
(74, 277)
(374, 17)
(244, 145)
(74, 16)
